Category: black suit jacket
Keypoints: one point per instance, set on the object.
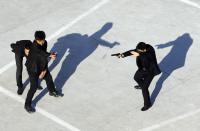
(18, 47)
(40, 49)
(37, 60)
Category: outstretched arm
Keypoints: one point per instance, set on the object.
(127, 53)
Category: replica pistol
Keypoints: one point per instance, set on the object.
(117, 54)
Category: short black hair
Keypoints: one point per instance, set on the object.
(27, 46)
(141, 46)
(40, 35)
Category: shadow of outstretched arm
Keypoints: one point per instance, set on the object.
(160, 46)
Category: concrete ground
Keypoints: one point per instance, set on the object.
(99, 89)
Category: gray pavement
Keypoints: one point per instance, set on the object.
(99, 89)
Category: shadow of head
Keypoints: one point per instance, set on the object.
(105, 28)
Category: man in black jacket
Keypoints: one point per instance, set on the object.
(20, 48)
(147, 68)
(37, 67)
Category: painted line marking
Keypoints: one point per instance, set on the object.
(64, 28)
(189, 2)
(40, 110)
(6, 67)
(172, 120)
(61, 30)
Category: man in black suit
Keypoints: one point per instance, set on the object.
(37, 67)
(147, 68)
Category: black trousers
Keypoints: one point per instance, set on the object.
(19, 65)
(144, 78)
(34, 85)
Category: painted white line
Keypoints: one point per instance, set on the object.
(39, 110)
(6, 67)
(57, 120)
(170, 121)
(64, 28)
(11, 95)
(61, 30)
(189, 2)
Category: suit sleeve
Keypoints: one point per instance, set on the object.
(44, 52)
(43, 63)
(45, 46)
(127, 53)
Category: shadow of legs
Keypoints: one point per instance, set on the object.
(26, 83)
(158, 87)
(39, 97)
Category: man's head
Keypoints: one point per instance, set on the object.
(40, 37)
(141, 47)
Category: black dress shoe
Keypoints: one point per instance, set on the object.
(60, 94)
(145, 108)
(56, 94)
(29, 109)
(20, 91)
(137, 87)
(40, 88)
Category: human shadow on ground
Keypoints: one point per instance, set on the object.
(174, 60)
(78, 47)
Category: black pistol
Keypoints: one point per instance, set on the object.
(117, 54)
